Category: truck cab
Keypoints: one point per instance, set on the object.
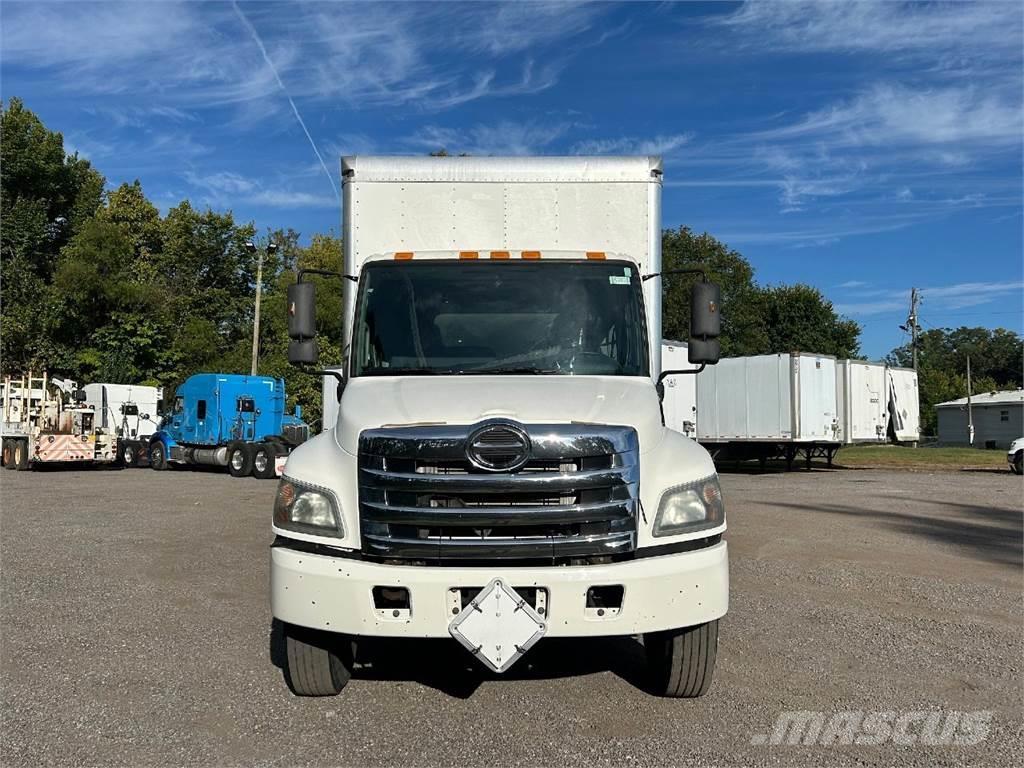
(228, 420)
(500, 470)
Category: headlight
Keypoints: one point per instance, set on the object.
(307, 509)
(691, 507)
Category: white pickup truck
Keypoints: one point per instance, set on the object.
(500, 470)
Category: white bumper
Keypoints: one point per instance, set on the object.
(335, 594)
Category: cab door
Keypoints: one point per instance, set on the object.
(246, 409)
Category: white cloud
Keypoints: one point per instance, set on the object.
(887, 27)
(656, 145)
(431, 57)
(501, 138)
(893, 114)
(229, 189)
(936, 298)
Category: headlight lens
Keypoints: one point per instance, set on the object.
(306, 508)
(691, 507)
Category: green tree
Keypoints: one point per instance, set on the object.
(798, 318)
(45, 198)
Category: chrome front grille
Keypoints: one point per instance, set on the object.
(574, 499)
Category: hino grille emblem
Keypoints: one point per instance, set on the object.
(498, 447)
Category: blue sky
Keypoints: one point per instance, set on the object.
(862, 148)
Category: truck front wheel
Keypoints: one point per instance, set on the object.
(8, 455)
(157, 456)
(681, 662)
(1018, 463)
(318, 663)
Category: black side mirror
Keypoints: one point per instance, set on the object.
(79, 395)
(704, 347)
(302, 350)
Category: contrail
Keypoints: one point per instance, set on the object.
(266, 58)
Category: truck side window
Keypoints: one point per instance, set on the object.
(246, 405)
(201, 409)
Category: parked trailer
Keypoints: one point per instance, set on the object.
(679, 404)
(131, 412)
(904, 405)
(228, 420)
(769, 406)
(47, 421)
(862, 401)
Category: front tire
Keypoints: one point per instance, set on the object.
(318, 663)
(8, 453)
(240, 456)
(681, 662)
(1018, 463)
(157, 456)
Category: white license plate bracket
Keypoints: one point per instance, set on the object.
(498, 626)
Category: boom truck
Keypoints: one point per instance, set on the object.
(228, 420)
(500, 470)
(46, 420)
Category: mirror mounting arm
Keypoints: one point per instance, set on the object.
(703, 275)
(325, 273)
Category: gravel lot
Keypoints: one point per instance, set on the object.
(136, 630)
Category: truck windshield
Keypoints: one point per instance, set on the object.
(508, 317)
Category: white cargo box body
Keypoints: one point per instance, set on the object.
(680, 403)
(107, 399)
(768, 398)
(904, 404)
(862, 398)
(514, 204)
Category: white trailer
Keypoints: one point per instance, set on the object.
(904, 405)
(863, 401)
(769, 406)
(679, 403)
(129, 411)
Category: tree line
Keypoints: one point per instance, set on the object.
(98, 285)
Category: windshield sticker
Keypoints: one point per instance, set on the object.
(618, 280)
(627, 271)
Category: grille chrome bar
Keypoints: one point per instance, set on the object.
(523, 482)
(489, 516)
(532, 548)
(421, 497)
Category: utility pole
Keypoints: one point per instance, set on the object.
(970, 415)
(251, 248)
(912, 323)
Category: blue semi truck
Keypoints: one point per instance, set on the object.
(228, 420)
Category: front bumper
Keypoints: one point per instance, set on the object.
(335, 594)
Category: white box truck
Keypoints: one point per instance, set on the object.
(769, 406)
(862, 401)
(499, 470)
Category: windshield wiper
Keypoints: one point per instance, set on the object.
(512, 369)
(405, 372)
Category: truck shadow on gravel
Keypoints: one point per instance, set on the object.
(445, 666)
(995, 534)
